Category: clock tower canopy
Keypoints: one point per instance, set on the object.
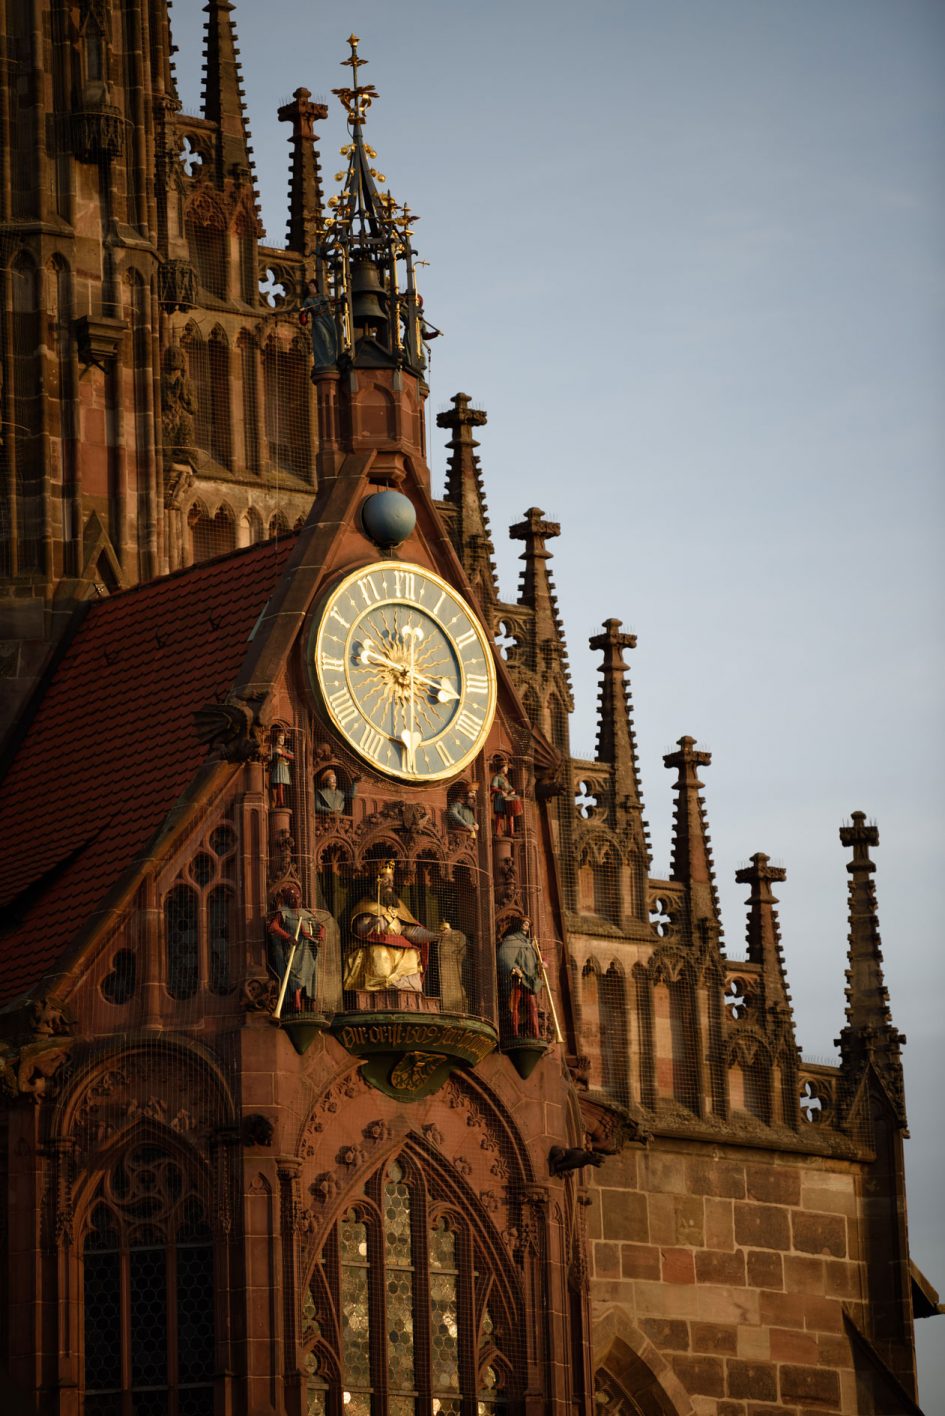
(369, 334)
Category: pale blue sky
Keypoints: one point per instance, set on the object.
(689, 256)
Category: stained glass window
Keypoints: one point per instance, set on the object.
(417, 1332)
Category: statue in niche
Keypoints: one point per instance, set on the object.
(178, 406)
(461, 812)
(292, 923)
(506, 803)
(520, 978)
(394, 948)
(280, 777)
(329, 797)
(318, 312)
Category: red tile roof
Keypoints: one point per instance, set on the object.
(111, 746)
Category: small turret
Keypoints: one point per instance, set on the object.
(464, 491)
(764, 935)
(306, 226)
(869, 1037)
(224, 103)
(367, 254)
(692, 853)
(616, 742)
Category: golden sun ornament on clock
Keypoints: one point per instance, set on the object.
(404, 671)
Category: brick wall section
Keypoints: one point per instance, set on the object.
(735, 1264)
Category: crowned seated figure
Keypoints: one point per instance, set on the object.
(394, 946)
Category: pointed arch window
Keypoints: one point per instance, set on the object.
(147, 1287)
(407, 1313)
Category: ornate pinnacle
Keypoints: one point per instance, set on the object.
(764, 939)
(464, 490)
(869, 1034)
(306, 217)
(535, 590)
(616, 744)
(692, 855)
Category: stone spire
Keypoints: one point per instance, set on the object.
(764, 935)
(464, 491)
(869, 1036)
(692, 853)
(616, 742)
(224, 102)
(306, 207)
(546, 647)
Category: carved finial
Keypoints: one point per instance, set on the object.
(464, 490)
(692, 854)
(545, 644)
(306, 215)
(869, 1034)
(224, 102)
(616, 743)
(764, 938)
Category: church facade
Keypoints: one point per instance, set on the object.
(352, 1058)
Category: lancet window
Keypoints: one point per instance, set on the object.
(407, 1312)
(147, 1283)
(198, 919)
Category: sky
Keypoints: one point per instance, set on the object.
(688, 254)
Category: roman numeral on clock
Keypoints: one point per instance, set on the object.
(405, 584)
(477, 683)
(366, 585)
(332, 665)
(371, 742)
(468, 638)
(442, 753)
(468, 725)
(343, 706)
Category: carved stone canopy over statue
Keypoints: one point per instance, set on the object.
(394, 944)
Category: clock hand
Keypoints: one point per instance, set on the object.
(411, 738)
(368, 656)
(445, 691)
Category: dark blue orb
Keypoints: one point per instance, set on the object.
(388, 518)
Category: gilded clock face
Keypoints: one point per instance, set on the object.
(405, 671)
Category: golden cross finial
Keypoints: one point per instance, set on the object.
(354, 62)
(356, 100)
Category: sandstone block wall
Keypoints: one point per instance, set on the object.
(735, 1266)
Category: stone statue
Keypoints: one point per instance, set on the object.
(506, 803)
(520, 978)
(290, 919)
(329, 797)
(317, 312)
(461, 812)
(395, 946)
(279, 775)
(178, 406)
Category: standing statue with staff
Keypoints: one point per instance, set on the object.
(295, 934)
(522, 977)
